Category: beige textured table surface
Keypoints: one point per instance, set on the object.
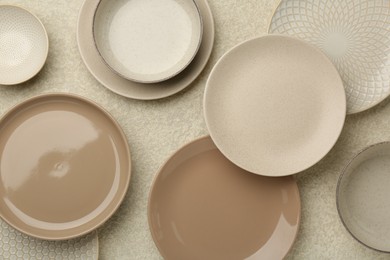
(155, 129)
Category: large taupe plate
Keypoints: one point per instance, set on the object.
(202, 206)
(127, 88)
(274, 105)
(64, 166)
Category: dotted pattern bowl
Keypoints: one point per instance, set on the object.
(24, 45)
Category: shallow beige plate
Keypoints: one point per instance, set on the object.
(24, 45)
(274, 105)
(64, 165)
(202, 206)
(121, 86)
(147, 41)
(363, 197)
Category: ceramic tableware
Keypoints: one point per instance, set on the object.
(274, 105)
(24, 45)
(354, 34)
(147, 41)
(202, 206)
(121, 86)
(65, 166)
(363, 197)
(16, 245)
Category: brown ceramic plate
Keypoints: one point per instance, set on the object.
(64, 165)
(202, 206)
(111, 80)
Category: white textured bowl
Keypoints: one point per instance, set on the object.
(24, 45)
(147, 41)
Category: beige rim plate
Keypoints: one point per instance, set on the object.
(24, 45)
(127, 88)
(64, 165)
(16, 245)
(354, 34)
(274, 105)
(363, 197)
(202, 206)
(147, 41)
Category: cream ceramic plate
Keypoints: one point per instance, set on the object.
(355, 35)
(363, 197)
(24, 45)
(274, 105)
(202, 206)
(127, 88)
(64, 166)
(16, 245)
(147, 41)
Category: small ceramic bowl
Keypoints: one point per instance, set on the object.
(24, 45)
(147, 41)
(363, 193)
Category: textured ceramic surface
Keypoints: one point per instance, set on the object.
(15, 245)
(363, 197)
(147, 41)
(135, 90)
(355, 35)
(65, 166)
(202, 206)
(24, 45)
(274, 105)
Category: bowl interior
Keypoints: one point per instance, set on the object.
(23, 45)
(147, 41)
(363, 197)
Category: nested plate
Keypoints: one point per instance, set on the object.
(363, 197)
(130, 89)
(16, 245)
(354, 34)
(64, 166)
(202, 206)
(274, 105)
(24, 45)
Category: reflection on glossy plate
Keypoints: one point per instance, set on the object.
(127, 88)
(16, 245)
(64, 166)
(363, 197)
(274, 105)
(202, 206)
(147, 41)
(24, 45)
(355, 35)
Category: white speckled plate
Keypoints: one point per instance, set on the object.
(355, 34)
(130, 89)
(16, 245)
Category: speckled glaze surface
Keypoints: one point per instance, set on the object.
(15, 245)
(64, 166)
(355, 35)
(202, 206)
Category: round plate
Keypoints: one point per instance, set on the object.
(64, 166)
(127, 88)
(24, 45)
(147, 41)
(274, 105)
(363, 197)
(16, 245)
(354, 34)
(202, 206)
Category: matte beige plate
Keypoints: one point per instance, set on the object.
(147, 41)
(64, 166)
(202, 206)
(24, 45)
(363, 197)
(274, 105)
(127, 88)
